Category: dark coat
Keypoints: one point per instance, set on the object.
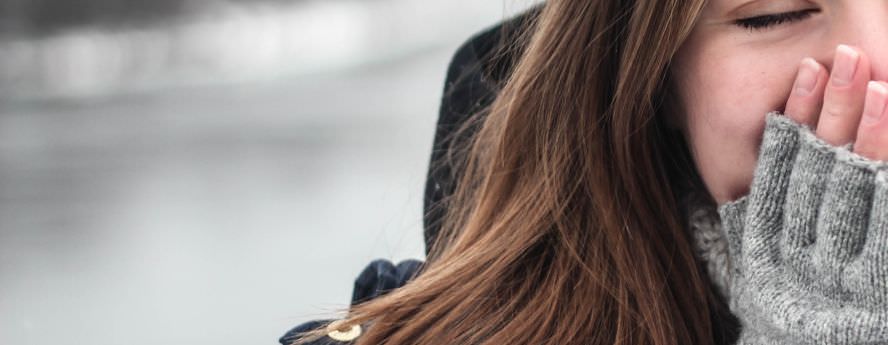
(474, 75)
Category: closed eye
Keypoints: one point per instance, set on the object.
(766, 21)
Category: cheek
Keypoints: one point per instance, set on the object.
(726, 98)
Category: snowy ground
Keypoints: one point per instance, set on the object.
(212, 196)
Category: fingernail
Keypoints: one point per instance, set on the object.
(845, 65)
(876, 95)
(807, 78)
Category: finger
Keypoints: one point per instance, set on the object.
(844, 96)
(806, 190)
(806, 97)
(843, 221)
(780, 142)
(872, 134)
(865, 275)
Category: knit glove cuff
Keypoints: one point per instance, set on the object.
(809, 243)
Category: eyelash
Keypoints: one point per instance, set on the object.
(766, 21)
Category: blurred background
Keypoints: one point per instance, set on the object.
(210, 171)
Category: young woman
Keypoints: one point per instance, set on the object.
(643, 166)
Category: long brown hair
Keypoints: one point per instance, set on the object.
(565, 226)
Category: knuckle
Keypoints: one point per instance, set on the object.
(836, 109)
(870, 144)
(863, 149)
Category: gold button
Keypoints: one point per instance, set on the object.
(334, 330)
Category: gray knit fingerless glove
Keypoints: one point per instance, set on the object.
(809, 243)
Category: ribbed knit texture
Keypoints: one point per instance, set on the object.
(710, 243)
(809, 244)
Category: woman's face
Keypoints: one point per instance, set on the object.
(729, 76)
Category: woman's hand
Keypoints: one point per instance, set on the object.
(844, 106)
(809, 243)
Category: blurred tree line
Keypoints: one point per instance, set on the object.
(44, 17)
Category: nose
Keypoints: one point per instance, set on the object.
(863, 24)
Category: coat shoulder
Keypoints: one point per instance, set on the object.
(376, 279)
(477, 70)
